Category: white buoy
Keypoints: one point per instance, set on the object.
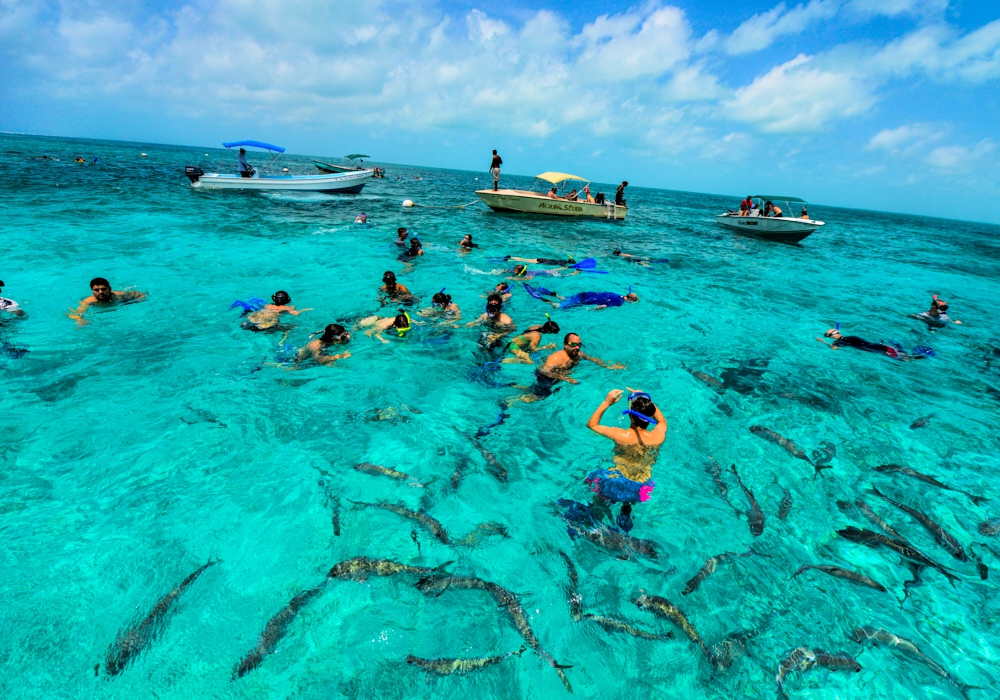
(284, 170)
(206, 154)
(407, 202)
(477, 178)
(143, 155)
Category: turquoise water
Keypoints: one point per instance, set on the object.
(140, 446)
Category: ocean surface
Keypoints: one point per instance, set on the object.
(161, 436)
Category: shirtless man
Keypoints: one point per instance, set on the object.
(552, 193)
(635, 451)
(317, 349)
(268, 319)
(394, 291)
(528, 342)
(102, 295)
(558, 366)
(401, 234)
(377, 325)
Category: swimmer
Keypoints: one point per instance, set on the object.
(634, 454)
(558, 366)
(544, 261)
(267, 319)
(442, 307)
(9, 306)
(467, 243)
(937, 316)
(415, 250)
(494, 315)
(377, 325)
(528, 342)
(853, 341)
(521, 272)
(599, 300)
(319, 348)
(362, 218)
(102, 295)
(637, 259)
(401, 234)
(395, 291)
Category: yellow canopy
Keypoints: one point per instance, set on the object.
(556, 178)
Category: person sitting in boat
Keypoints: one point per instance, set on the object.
(776, 211)
(766, 211)
(747, 204)
(936, 316)
(394, 291)
(586, 192)
(362, 218)
(804, 214)
(467, 243)
(318, 349)
(552, 193)
(744, 210)
(246, 170)
(401, 234)
(572, 196)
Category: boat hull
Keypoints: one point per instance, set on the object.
(780, 229)
(339, 183)
(331, 168)
(525, 202)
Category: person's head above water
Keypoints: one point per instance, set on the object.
(502, 287)
(402, 322)
(641, 410)
(402, 233)
(940, 304)
(441, 299)
(832, 333)
(571, 344)
(100, 288)
(243, 150)
(281, 298)
(549, 326)
(616, 251)
(494, 304)
(389, 279)
(415, 243)
(631, 296)
(519, 270)
(335, 333)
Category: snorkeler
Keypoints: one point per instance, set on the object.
(543, 261)
(521, 272)
(503, 289)
(467, 243)
(637, 259)
(394, 291)
(936, 316)
(319, 348)
(558, 366)
(442, 307)
(377, 325)
(853, 341)
(268, 318)
(407, 257)
(9, 306)
(528, 342)
(102, 295)
(362, 218)
(494, 315)
(634, 453)
(401, 234)
(599, 300)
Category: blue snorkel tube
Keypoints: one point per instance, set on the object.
(635, 395)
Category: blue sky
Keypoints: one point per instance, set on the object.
(876, 104)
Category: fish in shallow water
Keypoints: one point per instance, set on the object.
(755, 517)
(706, 378)
(981, 568)
(572, 593)
(715, 470)
(899, 469)
(708, 568)
(825, 454)
(203, 416)
(789, 446)
(431, 524)
(904, 549)
(990, 527)
(493, 465)
(786, 501)
(613, 624)
(358, 568)
(133, 641)
(447, 667)
(940, 535)
(661, 607)
(877, 636)
(274, 632)
(803, 659)
(921, 422)
(614, 540)
(482, 530)
(873, 517)
(378, 470)
(854, 577)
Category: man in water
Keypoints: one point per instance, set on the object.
(558, 365)
(245, 169)
(599, 300)
(318, 349)
(503, 289)
(937, 316)
(442, 307)
(853, 341)
(467, 243)
(497, 322)
(634, 453)
(377, 325)
(268, 318)
(394, 291)
(9, 306)
(102, 295)
(620, 194)
(401, 234)
(495, 169)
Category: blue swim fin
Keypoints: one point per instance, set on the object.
(537, 292)
(586, 264)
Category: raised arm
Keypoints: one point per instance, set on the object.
(594, 422)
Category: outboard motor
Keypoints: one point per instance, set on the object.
(193, 172)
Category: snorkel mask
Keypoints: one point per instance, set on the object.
(280, 298)
(640, 416)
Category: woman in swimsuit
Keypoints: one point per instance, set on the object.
(634, 453)
(318, 349)
(443, 307)
(268, 318)
(528, 342)
(467, 243)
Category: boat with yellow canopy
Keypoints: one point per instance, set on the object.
(562, 202)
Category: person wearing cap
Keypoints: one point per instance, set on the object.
(244, 167)
(102, 295)
(9, 306)
(937, 316)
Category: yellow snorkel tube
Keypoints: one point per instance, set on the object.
(409, 324)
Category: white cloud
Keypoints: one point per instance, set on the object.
(905, 137)
(615, 51)
(960, 158)
(796, 97)
(940, 53)
(762, 30)
(895, 8)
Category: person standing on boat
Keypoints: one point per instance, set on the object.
(245, 169)
(495, 169)
(620, 194)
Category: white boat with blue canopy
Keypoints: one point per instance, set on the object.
(768, 220)
(339, 183)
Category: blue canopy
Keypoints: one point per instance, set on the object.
(256, 144)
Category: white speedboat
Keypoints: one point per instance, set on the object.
(539, 202)
(790, 227)
(340, 183)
